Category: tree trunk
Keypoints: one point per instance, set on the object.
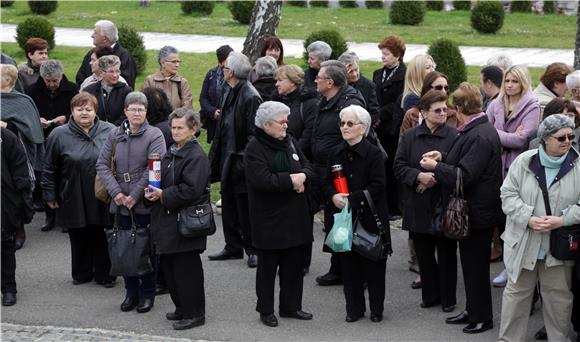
(265, 20)
(577, 50)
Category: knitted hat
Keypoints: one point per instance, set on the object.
(222, 52)
(553, 124)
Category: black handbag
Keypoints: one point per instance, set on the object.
(455, 219)
(129, 250)
(197, 220)
(369, 245)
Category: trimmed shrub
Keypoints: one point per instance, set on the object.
(487, 16)
(297, 3)
(347, 3)
(375, 4)
(521, 6)
(318, 3)
(43, 7)
(198, 7)
(549, 7)
(241, 11)
(449, 61)
(6, 3)
(407, 12)
(331, 37)
(462, 5)
(35, 27)
(435, 5)
(131, 40)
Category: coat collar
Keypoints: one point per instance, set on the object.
(362, 148)
(440, 132)
(158, 76)
(568, 164)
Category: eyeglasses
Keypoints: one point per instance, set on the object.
(281, 122)
(348, 124)
(136, 110)
(113, 72)
(563, 138)
(322, 78)
(174, 61)
(441, 87)
(439, 110)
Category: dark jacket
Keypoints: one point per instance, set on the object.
(190, 167)
(28, 74)
(16, 185)
(388, 93)
(266, 86)
(369, 93)
(69, 173)
(419, 208)
(128, 67)
(310, 78)
(166, 130)
(303, 103)
(209, 99)
(326, 132)
(477, 151)
(111, 106)
(279, 215)
(235, 129)
(49, 104)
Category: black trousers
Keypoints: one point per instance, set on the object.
(390, 144)
(8, 266)
(184, 277)
(89, 254)
(357, 269)
(236, 221)
(328, 210)
(438, 275)
(475, 253)
(290, 261)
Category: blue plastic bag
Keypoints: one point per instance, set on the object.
(340, 237)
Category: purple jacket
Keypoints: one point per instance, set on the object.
(131, 159)
(526, 114)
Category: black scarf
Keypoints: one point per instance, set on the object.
(281, 162)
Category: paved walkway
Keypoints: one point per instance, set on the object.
(473, 55)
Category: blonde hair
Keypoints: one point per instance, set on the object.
(520, 73)
(9, 75)
(414, 76)
(292, 72)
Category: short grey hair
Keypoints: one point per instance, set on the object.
(573, 80)
(108, 61)
(268, 111)
(500, 60)
(362, 115)
(52, 69)
(336, 71)
(108, 29)
(192, 119)
(135, 97)
(239, 64)
(164, 53)
(349, 57)
(320, 49)
(266, 66)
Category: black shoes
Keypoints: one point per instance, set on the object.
(415, 285)
(145, 305)
(269, 320)
(428, 305)
(541, 335)
(376, 317)
(18, 243)
(350, 319)
(188, 323)
(448, 308)
(476, 328)
(226, 254)
(305, 316)
(161, 290)
(172, 316)
(252, 260)
(129, 304)
(462, 318)
(329, 279)
(80, 281)
(8, 299)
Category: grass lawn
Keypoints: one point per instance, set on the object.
(359, 25)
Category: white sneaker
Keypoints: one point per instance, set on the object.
(500, 280)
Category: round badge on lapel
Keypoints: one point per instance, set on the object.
(295, 156)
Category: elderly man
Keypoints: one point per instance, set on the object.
(332, 85)
(36, 50)
(318, 52)
(235, 127)
(356, 80)
(573, 84)
(106, 33)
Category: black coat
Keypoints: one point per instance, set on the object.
(209, 99)
(69, 173)
(111, 108)
(190, 166)
(128, 67)
(52, 105)
(326, 132)
(235, 129)
(266, 87)
(310, 77)
(477, 151)
(388, 93)
(419, 208)
(279, 215)
(16, 185)
(368, 91)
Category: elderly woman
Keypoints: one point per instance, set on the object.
(132, 143)
(36, 50)
(265, 84)
(277, 174)
(553, 166)
(318, 52)
(110, 92)
(418, 67)
(476, 153)
(168, 79)
(184, 179)
(96, 53)
(362, 162)
(552, 84)
(421, 195)
(68, 181)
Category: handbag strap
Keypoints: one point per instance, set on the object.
(381, 228)
(543, 186)
(459, 184)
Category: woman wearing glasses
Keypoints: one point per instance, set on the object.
(168, 79)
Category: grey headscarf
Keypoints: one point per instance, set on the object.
(553, 124)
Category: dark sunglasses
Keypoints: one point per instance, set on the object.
(439, 110)
(441, 87)
(349, 124)
(563, 138)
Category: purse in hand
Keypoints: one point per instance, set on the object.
(369, 245)
(455, 219)
(197, 220)
(101, 192)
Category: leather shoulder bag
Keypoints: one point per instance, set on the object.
(101, 192)
(370, 245)
(455, 219)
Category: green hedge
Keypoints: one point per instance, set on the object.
(487, 16)
(407, 12)
(35, 27)
(331, 37)
(449, 61)
(131, 40)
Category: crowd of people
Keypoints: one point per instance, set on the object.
(402, 139)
